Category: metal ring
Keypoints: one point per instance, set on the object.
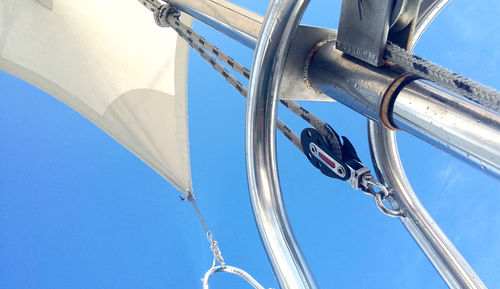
(232, 270)
(380, 197)
(379, 201)
(390, 94)
(383, 189)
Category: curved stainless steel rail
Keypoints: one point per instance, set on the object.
(280, 23)
(452, 267)
(287, 261)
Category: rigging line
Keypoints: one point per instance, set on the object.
(167, 17)
(474, 91)
(243, 71)
(214, 247)
(221, 55)
(197, 46)
(164, 14)
(195, 40)
(152, 5)
(328, 133)
(159, 15)
(190, 197)
(470, 89)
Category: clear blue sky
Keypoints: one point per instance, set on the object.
(79, 211)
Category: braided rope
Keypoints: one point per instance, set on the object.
(212, 49)
(214, 63)
(165, 16)
(151, 5)
(323, 128)
(198, 44)
(195, 40)
(472, 90)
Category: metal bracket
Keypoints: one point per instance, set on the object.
(366, 26)
(357, 176)
(363, 29)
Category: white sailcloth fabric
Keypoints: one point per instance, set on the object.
(110, 62)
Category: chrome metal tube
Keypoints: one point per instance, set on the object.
(446, 120)
(286, 259)
(459, 126)
(238, 23)
(429, 9)
(452, 267)
(361, 88)
(364, 85)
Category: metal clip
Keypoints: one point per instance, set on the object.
(363, 29)
(357, 176)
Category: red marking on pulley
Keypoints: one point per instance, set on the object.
(326, 159)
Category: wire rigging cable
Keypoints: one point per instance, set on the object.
(189, 196)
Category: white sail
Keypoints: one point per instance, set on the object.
(110, 62)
